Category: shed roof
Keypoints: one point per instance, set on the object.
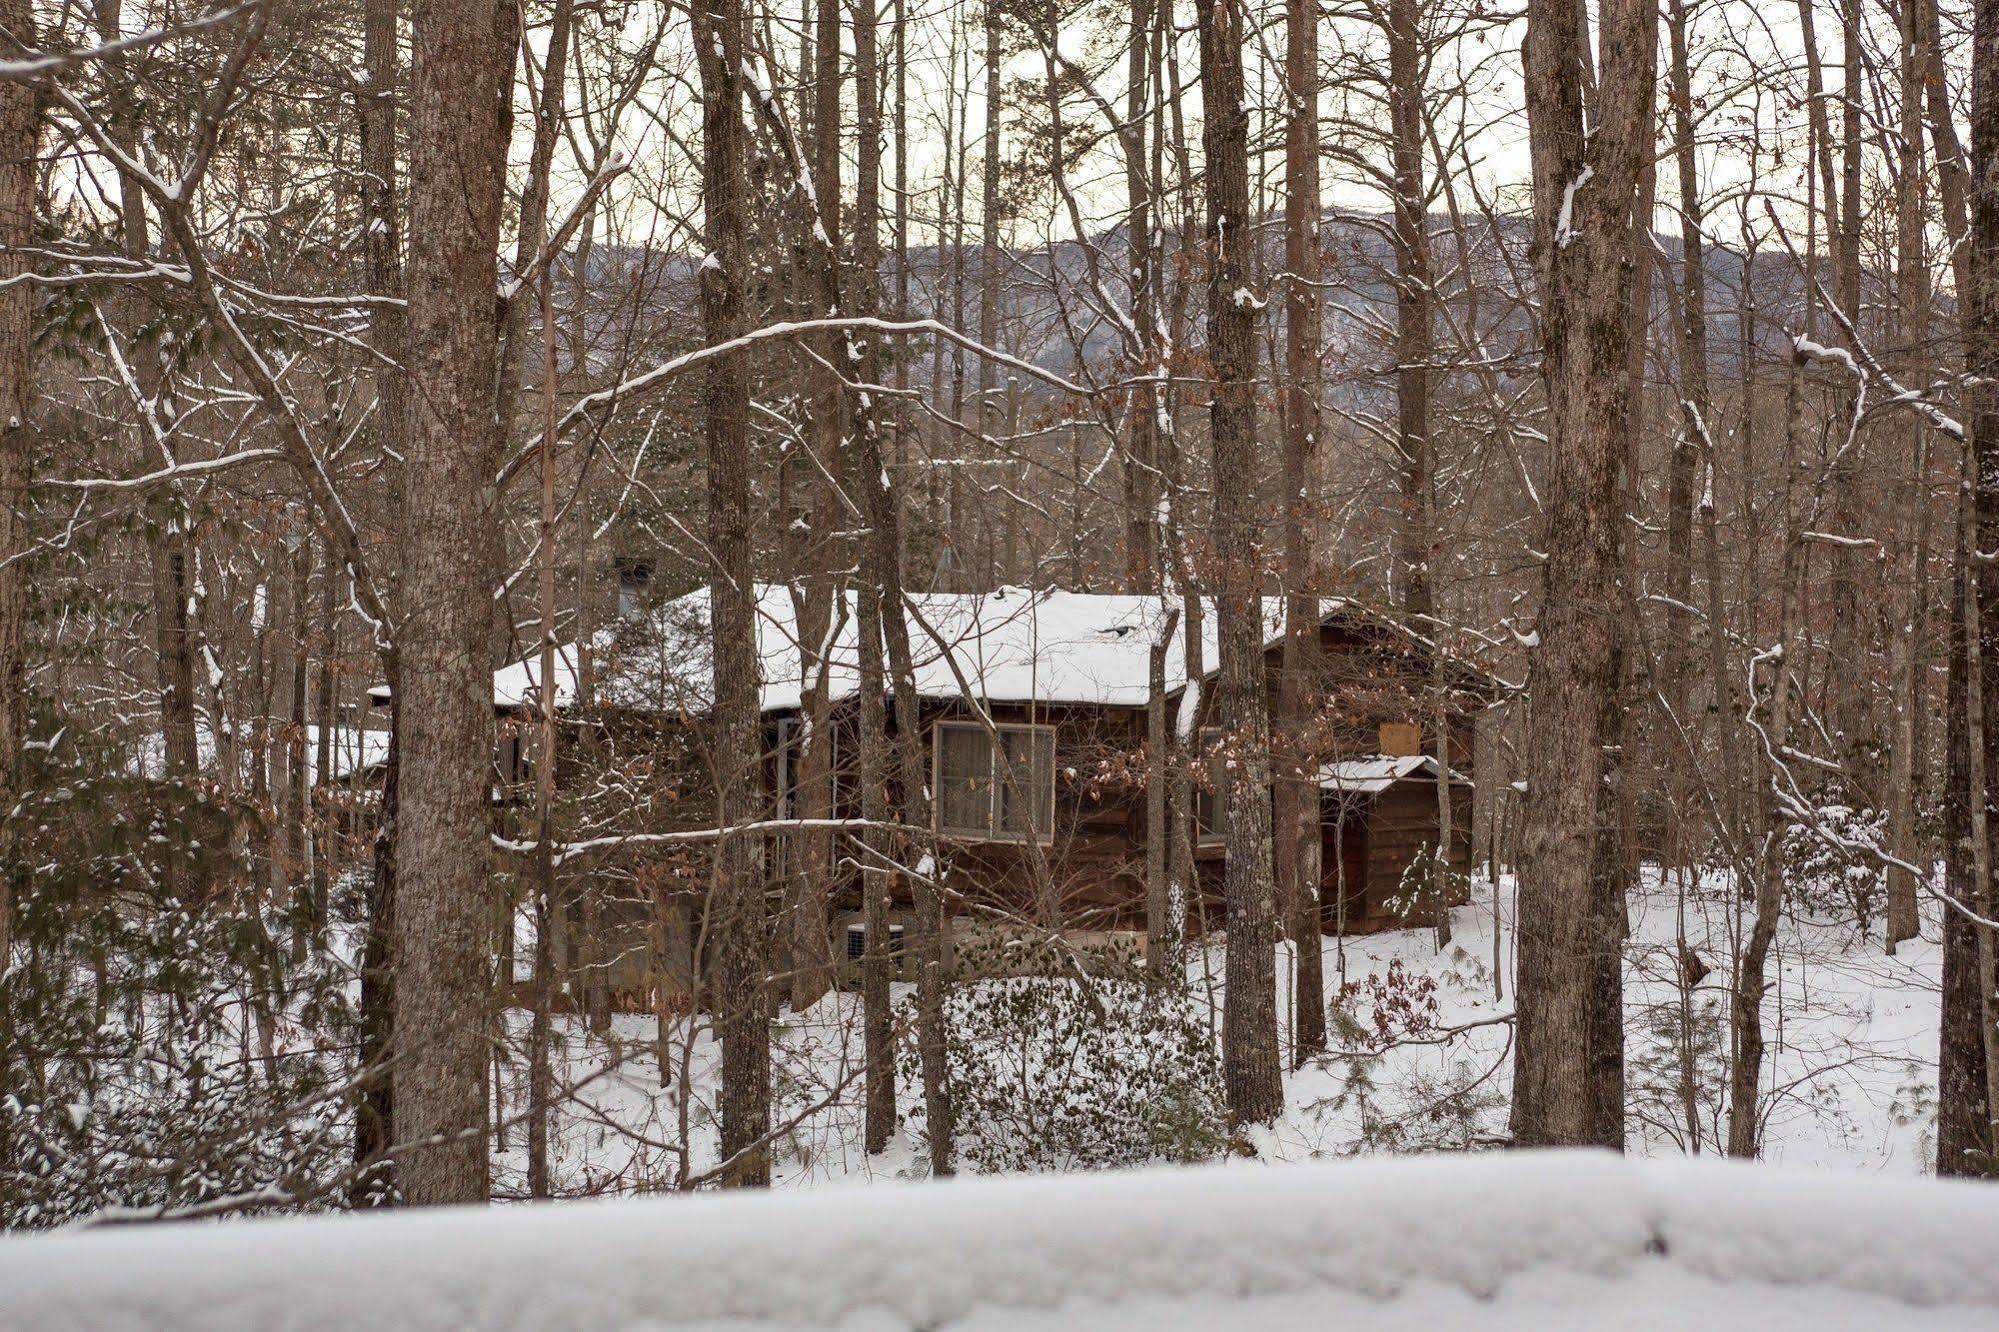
(1377, 772)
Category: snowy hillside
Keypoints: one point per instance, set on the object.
(1540, 1240)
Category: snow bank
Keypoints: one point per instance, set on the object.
(1542, 1240)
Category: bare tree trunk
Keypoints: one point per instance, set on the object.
(326, 639)
(1413, 342)
(1850, 660)
(1297, 805)
(989, 241)
(1965, 1106)
(1569, 1030)
(1981, 403)
(169, 546)
(541, 1073)
(1689, 450)
(1158, 827)
(1964, 1111)
(20, 132)
(912, 783)
(1143, 570)
(1908, 602)
(297, 854)
(1252, 1079)
(459, 113)
(818, 594)
(374, 1119)
(868, 481)
(1697, 410)
(1750, 965)
(1440, 881)
(531, 229)
(737, 893)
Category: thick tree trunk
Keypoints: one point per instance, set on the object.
(1413, 343)
(868, 481)
(1908, 600)
(736, 897)
(1981, 414)
(1569, 1028)
(1251, 1075)
(20, 127)
(459, 113)
(374, 1129)
(1689, 450)
(1852, 654)
(817, 593)
(1297, 805)
(1964, 1112)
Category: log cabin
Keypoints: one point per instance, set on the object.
(1034, 708)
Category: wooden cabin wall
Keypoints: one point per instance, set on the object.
(649, 900)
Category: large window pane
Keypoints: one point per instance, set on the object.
(1210, 789)
(1027, 802)
(964, 779)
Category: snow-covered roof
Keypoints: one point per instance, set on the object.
(1509, 1242)
(1013, 645)
(349, 750)
(518, 682)
(1378, 772)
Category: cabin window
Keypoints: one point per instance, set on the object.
(857, 942)
(786, 776)
(1210, 791)
(511, 766)
(634, 581)
(1004, 790)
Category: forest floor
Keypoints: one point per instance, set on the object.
(1423, 1058)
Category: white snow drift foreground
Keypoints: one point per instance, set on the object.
(1542, 1240)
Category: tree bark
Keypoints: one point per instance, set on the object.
(1569, 1041)
(459, 113)
(1981, 413)
(1908, 601)
(868, 480)
(817, 593)
(374, 1127)
(1964, 1112)
(989, 250)
(736, 896)
(541, 1072)
(1297, 806)
(1252, 1080)
(20, 132)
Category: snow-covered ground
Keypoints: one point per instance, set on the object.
(1276, 1229)
(1849, 1078)
(1547, 1241)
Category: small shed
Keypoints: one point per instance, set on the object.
(1380, 812)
